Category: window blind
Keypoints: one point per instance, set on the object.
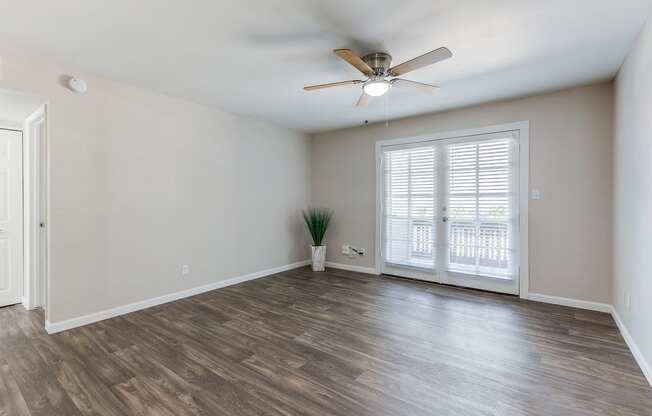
(452, 205)
(410, 187)
(482, 207)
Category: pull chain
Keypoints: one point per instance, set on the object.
(386, 110)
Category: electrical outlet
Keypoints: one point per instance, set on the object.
(628, 300)
(356, 252)
(349, 250)
(185, 269)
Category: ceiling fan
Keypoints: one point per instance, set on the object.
(380, 76)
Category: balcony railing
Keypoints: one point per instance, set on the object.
(485, 245)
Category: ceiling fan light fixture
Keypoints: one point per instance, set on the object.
(376, 87)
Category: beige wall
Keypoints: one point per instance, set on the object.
(570, 161)
(633, 194)
(142, 183)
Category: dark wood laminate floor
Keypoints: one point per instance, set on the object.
(335, 343)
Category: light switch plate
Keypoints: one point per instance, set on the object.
(536, 193)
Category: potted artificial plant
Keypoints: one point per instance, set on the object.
(317, 220)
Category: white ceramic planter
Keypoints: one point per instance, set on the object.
(318, 258)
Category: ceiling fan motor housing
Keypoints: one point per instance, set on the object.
(379, 62)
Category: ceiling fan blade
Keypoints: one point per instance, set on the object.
(419, 62)
(332, 84)
(404, 83)
(354, 60)
(363, 101)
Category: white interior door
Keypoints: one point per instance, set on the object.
(450, 211)
(11, 217)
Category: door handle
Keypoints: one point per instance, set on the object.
(444, 219)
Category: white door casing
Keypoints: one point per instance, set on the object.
(11, 217)
(35, 200)
(41, 186)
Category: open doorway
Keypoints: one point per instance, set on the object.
(23, 201)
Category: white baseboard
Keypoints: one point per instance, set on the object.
(26, 304)
(352, 268)
(601, 307)
(574, 303)
(54, 327)
(636, 352)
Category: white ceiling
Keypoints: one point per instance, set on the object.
(253, 57)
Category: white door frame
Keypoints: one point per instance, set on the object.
(36, 166)
(523, 127)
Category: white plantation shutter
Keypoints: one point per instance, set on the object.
(482, 207)
(452, 206)
(409, 206)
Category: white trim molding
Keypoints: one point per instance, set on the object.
(636, 352)
(352, 268)
(573, 303)
(35, 209)
(54, 327)
(601, 307)
(555, 300)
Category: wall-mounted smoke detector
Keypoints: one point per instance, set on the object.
(77, 85)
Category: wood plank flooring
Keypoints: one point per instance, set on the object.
(328, 344)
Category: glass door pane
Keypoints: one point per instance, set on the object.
(450, 211)
(409, 204)
(481, 213)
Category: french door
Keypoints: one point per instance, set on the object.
(450, 211)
